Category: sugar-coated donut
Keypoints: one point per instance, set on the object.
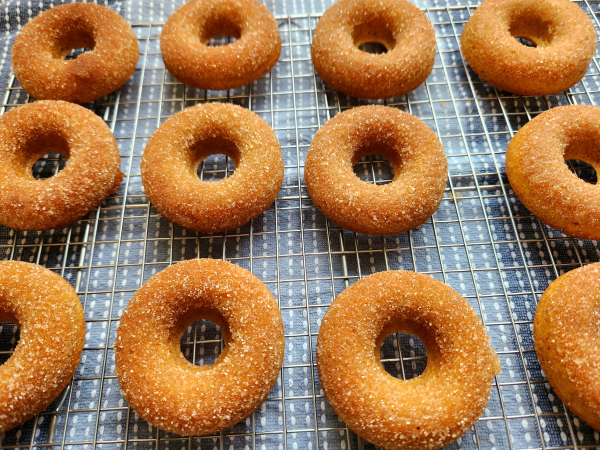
(161, 385)
(48, 312)
(567, 340)
(91, 174)
(563, 35)
(536, 168)
(399, 25)
(178, 147)
(426, 412)
(188, 58)
(39, 51)
(420, 170)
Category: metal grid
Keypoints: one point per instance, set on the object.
(481, 241)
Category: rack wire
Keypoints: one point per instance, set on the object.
(482, 241)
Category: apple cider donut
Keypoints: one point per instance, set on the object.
(414, 151)
(161, 385)
(536, 168)
(48, 312)
(39, 51)
(178, 147)
(563, 35)
(399, 25)
(426, 412)
(186, 34)
(567, 340)
(91, 174)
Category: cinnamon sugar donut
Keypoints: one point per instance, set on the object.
(426, 412)
(178, 147)
(399, 25)
(39, 51)
(563, 35)
(186, 34)
(175, 395)
(536, 168)
(567, 340)
(420, 170)
(48, 312)
(92, 172)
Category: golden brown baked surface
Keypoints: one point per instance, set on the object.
(539, 175)
(91, 174)
(564, 36)
(185, 36)
(49, 315)
(178, 147)
(397, 24)
(415, 152)
(566, 332)
(39, 51)
(175, 395)
(426, 412)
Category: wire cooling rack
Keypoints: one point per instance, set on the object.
(482, 241)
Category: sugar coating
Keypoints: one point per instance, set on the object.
(426, 412)
(49, 315)
(175, 395)
(412, 148)
(176, 149)
(38, 53)
(564, 36)
(566, 332)
(91, 174)
(399, 25)
(536, 168)
(186, 34)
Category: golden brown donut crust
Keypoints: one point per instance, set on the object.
(49, 315)
(564, 36)
(536, 168)
(186, 34)
(426, 412)
(178, 147)
(414, 151)
(175, 395)
(39, 51)
(566, 332)
(397, 24)
(91, 174)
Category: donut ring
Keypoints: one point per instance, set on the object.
(185, 36)
(425, 412)
(39, 51)
(47, 310)
(397, 24)
(565, 332)
(414, 151)
(563, 34)
(92, 172)
(178, 147)
(536, 169)
(175, 395)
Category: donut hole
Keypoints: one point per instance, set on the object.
(73, 54)
(583, 170)
(9, 336)
(215, 159)
(203, 337)
(374, 48)
(582, 156)
(222, 28)
(220, 41)
(402, 355)
(526, 42)
(44, 156)
(72, 41)
(373, 36)
(376, 162)
(533, 26)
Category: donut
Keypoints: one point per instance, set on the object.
(161, 385)
(48, 312)
(538, 174)
(91, 174)
(426, 412)
(398, 25)
(178, 147)
(39, 51)
(567, 342)
(185, 36)
(414, 151)
(563, 36)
